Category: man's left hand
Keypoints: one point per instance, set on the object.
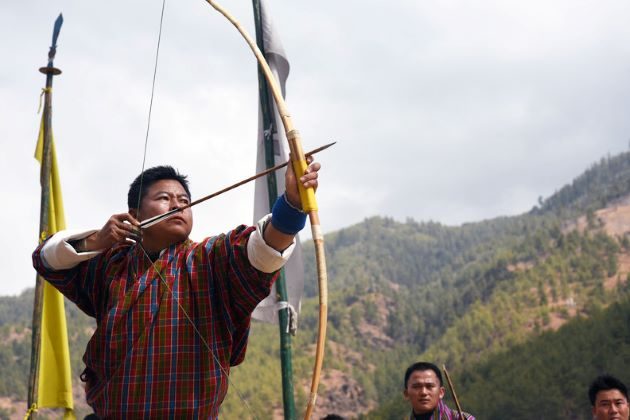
(308, 179)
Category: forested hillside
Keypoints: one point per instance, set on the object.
(548, 376)
(15, 346)
(513, 306)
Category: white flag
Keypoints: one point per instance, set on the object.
(267, 310)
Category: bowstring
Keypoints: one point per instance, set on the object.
(146, 137)
(139, 242)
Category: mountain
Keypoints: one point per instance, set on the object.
(514, 306)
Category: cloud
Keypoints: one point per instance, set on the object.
(447, 111)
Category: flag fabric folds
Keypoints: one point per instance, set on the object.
(55, 378)
(267, 310)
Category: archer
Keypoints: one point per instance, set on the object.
(172, 315)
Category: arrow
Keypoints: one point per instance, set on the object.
(160, 217)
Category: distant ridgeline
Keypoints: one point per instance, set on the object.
(523, 310)
(463, 295)
(603, 184)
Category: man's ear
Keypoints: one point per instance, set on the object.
(134, 213)
(442, 392)
(406, 395)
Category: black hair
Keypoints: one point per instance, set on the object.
(604, 383)
(150, 177)
(422, 366)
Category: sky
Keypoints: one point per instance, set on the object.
(447, 111)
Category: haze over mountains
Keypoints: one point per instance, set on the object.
(523, 310)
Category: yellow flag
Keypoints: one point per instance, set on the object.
(55, 378)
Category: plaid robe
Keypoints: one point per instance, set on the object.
(442, 412)
(145, 359)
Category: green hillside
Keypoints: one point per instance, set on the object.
(480, 298)
(548, 376)
(603, 183)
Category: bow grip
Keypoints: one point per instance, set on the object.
(298, 160)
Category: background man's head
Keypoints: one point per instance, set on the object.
(609, 398)
(423, 387)
(149, 177)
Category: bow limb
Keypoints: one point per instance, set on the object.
(453, 393)
(309, 204)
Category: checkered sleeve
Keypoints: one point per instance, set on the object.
(238, 285)
(78, 283)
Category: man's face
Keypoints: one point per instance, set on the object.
(610, 405)
(162, 196)
(423, 391)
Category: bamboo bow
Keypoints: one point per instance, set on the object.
(309, 204)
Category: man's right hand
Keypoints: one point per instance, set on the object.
(118, 228)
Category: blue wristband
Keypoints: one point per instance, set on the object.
(286, 218)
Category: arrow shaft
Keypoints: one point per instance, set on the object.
(161, 217)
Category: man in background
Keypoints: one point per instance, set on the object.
(424, 391)
(609, 398)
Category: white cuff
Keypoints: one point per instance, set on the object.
(58, 254)
(263, 257)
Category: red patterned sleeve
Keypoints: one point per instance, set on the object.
(237, 286)
(79, 284)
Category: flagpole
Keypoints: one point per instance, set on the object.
(269, 128)
(50, 71)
